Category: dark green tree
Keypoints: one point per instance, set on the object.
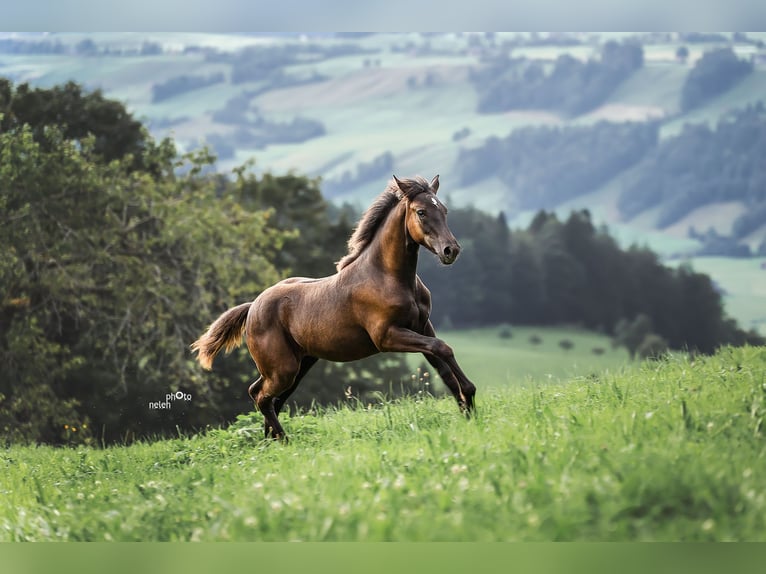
(631, 334)
(79, 115)
(110, 273)
(714, 73)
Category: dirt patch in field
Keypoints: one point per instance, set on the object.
(719, 216)
(626, 113)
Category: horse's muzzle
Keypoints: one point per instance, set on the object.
(449, 254)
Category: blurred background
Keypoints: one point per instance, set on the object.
(609, 191)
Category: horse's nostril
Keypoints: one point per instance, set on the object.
(447, 251)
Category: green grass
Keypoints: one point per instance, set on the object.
(669, 451)
(492, 361)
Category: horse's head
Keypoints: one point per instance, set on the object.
(426, 218)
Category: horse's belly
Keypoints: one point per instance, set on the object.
(316, 315)
(340, 345)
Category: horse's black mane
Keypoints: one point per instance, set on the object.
(375, 215)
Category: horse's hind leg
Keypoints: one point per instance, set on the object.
(279, 366)
(306, 364)
(279, 401)
(272, 428)
(254, 388)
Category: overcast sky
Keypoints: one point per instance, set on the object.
(382, 15)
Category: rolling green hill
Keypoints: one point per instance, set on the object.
(409, 95)
(662, 451)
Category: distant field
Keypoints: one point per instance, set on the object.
(492, 361)
(749, 91)
(656, 86)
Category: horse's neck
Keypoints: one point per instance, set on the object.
(394, 250)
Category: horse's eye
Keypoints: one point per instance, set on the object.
(421, 213)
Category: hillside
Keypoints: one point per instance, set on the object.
(662, 451)
(354, 109)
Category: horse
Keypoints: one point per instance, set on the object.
(375, 302)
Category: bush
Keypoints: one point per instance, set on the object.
(713, 74)
(183, 84)
(652, 347)
(566, 344)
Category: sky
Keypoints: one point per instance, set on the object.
(382, 15)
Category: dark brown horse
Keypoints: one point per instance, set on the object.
(374, 303)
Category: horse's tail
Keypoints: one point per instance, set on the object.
(225, 332)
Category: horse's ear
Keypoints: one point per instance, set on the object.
(403, 187)
(435, 183)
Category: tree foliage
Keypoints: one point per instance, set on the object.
(544, 166)
(115, 259)
(182, 84)
(713, 74)
(79, 115)
(111, 272)
(704, 165)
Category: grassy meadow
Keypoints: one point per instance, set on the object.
(662, 451)
(493, 359)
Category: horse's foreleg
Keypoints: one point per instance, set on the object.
(451, 381)
(458, 383)
(438, 354)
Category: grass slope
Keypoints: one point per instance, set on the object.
(672, 450)
(494, 361)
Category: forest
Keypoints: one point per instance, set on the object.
(704, 165)
(118, 251)
(545, 166)
(572, 86)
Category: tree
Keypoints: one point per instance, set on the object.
(107, 274)
(714, 73)
(631, 334)
(652, 347)
(298, 205)
(112, 265)
(79, 115)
